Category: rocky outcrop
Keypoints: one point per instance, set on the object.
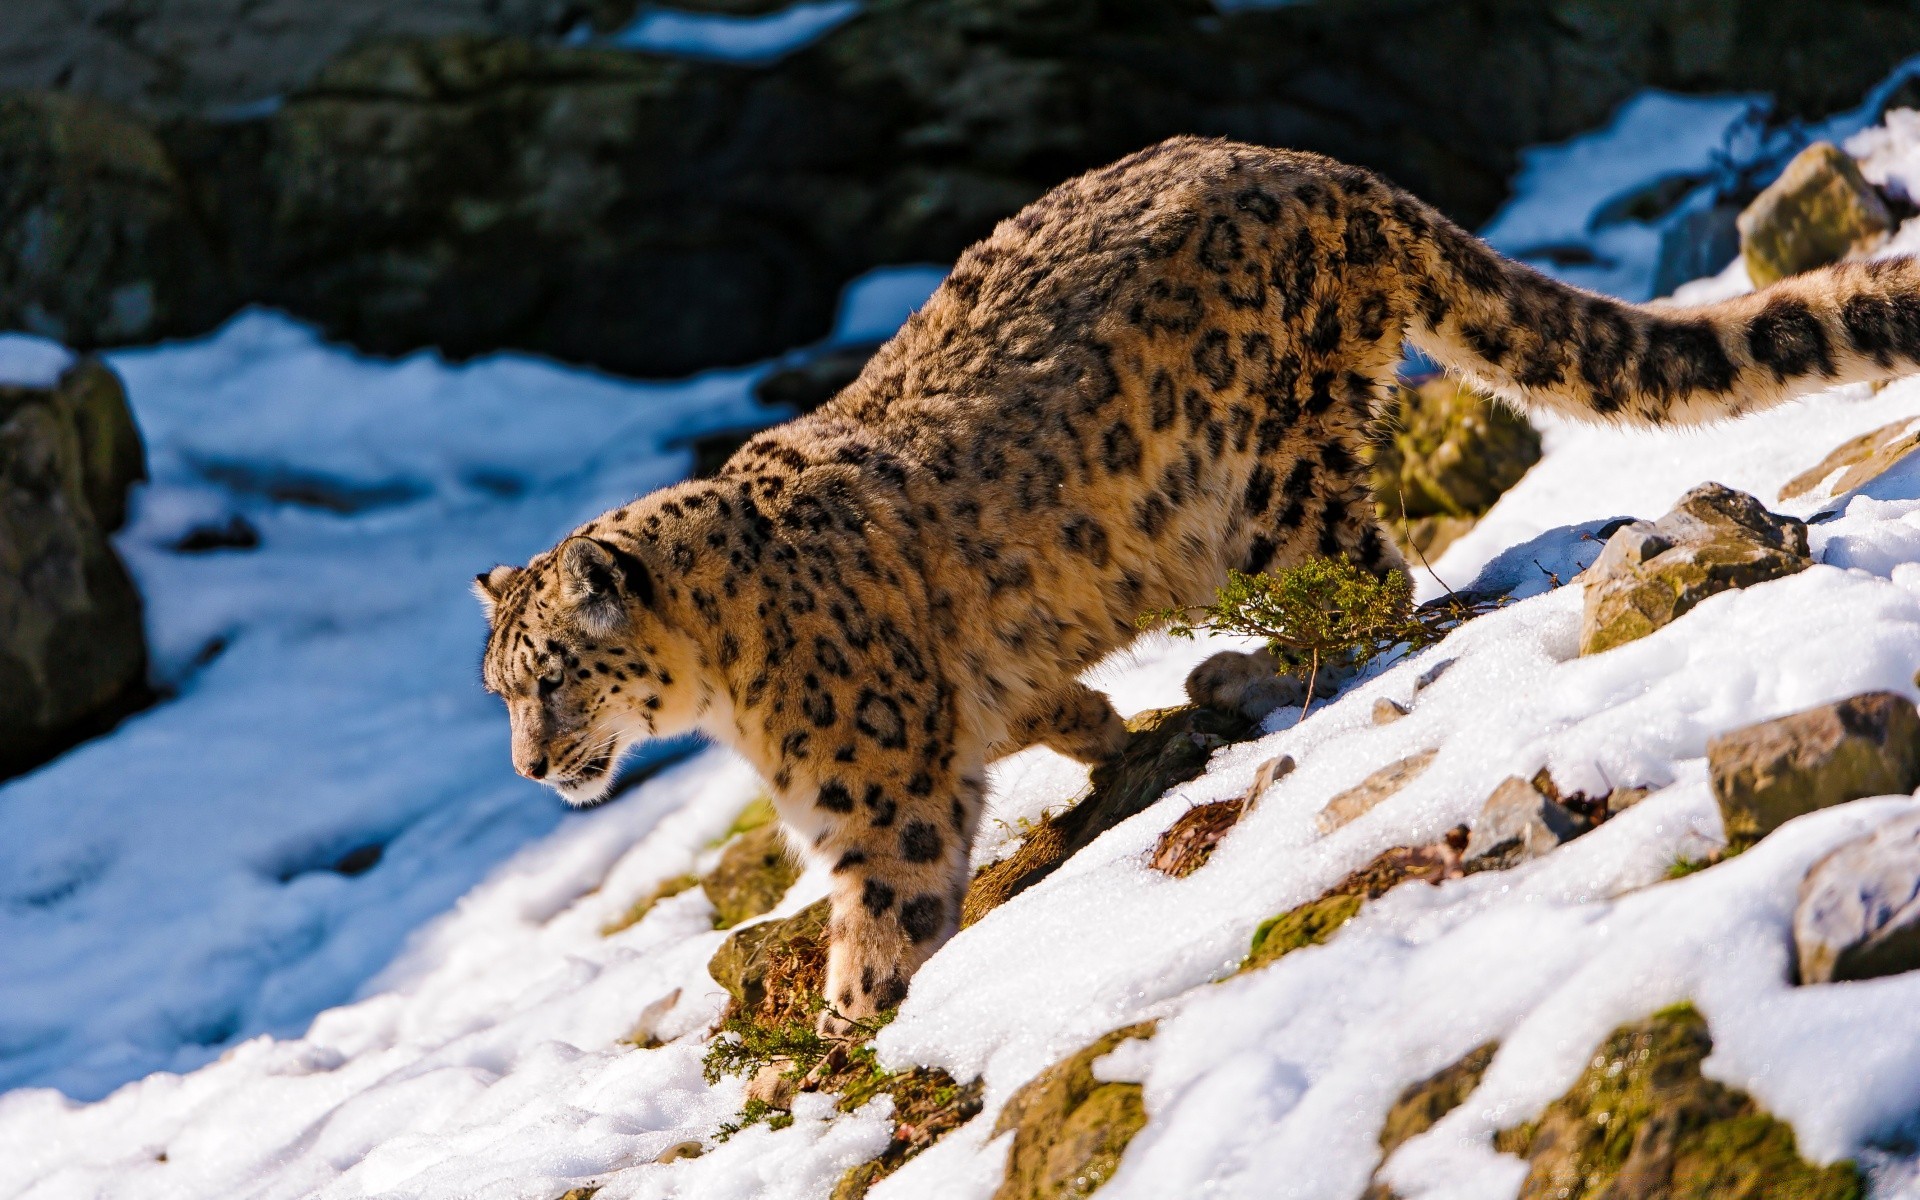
(1447, 453)
(100, 242)
(1642, 1123)
(1070, 1127)
(459, 178)
(1651, 573)
(215, 57)
(1819, 211)
(1767, 774)
(1859, 461)
(1858, 916)
(72, 652)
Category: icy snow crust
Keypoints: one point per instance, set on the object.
(146, 925)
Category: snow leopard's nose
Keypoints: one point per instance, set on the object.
(535, 768)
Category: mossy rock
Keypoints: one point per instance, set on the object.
(1449, 451)
(1642, 1123)
(1860, 460)
(1317, 920)
(1819, 211)
(73, 655)
(751, 878)
(1169, 746)
(753, 873)
(1308, 925)
(1070, 1129)
(1652, 573)
(1765, 775)
(775, 965)
(1420, 1107)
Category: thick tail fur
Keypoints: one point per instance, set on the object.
(1542, 344)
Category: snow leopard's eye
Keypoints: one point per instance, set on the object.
(548, 685)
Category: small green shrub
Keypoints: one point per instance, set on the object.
(1318, 613)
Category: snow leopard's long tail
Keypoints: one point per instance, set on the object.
(1543, 344)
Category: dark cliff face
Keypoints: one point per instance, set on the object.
(654, 216)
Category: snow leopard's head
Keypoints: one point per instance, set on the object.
(584, 661)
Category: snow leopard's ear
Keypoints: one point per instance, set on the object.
(598, 578)
(490, 586)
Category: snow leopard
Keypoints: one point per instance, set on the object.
(1157, 372)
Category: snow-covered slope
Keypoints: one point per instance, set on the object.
(171, 903)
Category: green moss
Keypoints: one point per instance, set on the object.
(1642, 1121)
(1308, 925)
(1681, 868)
(754, 1112)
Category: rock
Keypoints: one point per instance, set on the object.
(1386, 712)
(1308, 924)
(1447, 453)
(1767, 774)
(753, 873)
(680, 1150)
(1169, 746)
(452, 175)
(1819, 211)
(1420, 1107)
(1520, 822)
(1069, 1128)
(1252, 685)
(1652, 573)
(99, 240)
(72, 649)
(1642, 1123)
(802, 385)
(220, 58)
(1858, 916)
(1360, 799)
(1317, 920)
(773, 1084)
(1452, 451)
(774, 969)
(1860, 460)
(646, 1028)
(581, 1193)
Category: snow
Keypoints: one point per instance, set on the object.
(1569, 213)
(32, 362)
(728, 38)
(448, 1023)
(875, 304)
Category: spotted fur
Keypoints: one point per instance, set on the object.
(1156, 372)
